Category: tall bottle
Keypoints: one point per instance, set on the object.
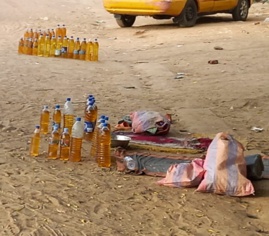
(71, 47)
(35, 142)
(47, 46)
(89, 51)
(76, 49)
(41, 46)
(59, 43)
(52, 46)
(35, 47)
(63, 30)
(82, 51)
(44, 120)
(65, 145)
(89, 120)
(95, 50)
(57, 117)
(20, 46)
(99, 125)
(68, 115)
(64, 47)
(58, 31)
(104, 158)
(54, 143)
(76, 141)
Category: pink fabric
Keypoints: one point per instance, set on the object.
(184, 174)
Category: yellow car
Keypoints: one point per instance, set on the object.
(183, 12)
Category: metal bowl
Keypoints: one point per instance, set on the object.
(120, 141)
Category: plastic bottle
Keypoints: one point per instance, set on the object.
(54, 143)
(63, 31)
(57, 117)
(31, 33)
(71, 47)
(35, 35)
(52, 46)
(26, 34)
(104, 158)
(95, 50)
(29, 46)
(47, 46)
(25, 46)
(64, 47)
(99, 125)
(52, 33)
(65, 145)
(20, 46)
(68, 115)
(76, 141)
(76, 49)
(89, 122)
(41, 46)
(130, 163)
(35, 47)
(35, 142)
(58, 31)
(89, 51)
(107, 121)
(82, 51)
(59, 43)
(44, 120)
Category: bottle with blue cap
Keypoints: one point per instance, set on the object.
(89, 120)
(68, 115)
(65, 145)
(44, 120)
(57, 117)
(99, 125)
(76, 141)
(35, 142)
(54, 143)
(104, 142)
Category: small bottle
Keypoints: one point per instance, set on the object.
(71, 47)
(99, 125)
(35, 47)
(76, 141)
(20, 46)
(35, 142)
(63, 31)
(59, 43)
(41, 46)
(47, 46)
(76, 49)
(58, 31)
(64, 47)
(130, 163)
(104, 142)
(68, 114)
(44, 120)
(65, 145)
(82, 51)
(95, 50)
(57, 117)
(54, 143)
(89, 51)
(52, 46)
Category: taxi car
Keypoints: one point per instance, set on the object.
(183, 12)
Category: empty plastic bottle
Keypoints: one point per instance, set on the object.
(99, 125)
(130, 163)
(68, 115)
(57, 117)
(35, 142)
(44, 120)
(82, 51)
(76, 49)
(71, 47)
(65, 145)
(89, 51)
(54, 143)
(76, 141)
(95, 56)
(104, 141)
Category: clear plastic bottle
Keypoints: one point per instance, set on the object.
(130, 163)
(89, 51)
(44, 120)
(76, 141)
(99, 125)
(65, 145)
(57, 117)
(35, 142)
(76, 49)
(68, 115)
(54, 143)
(82, 51)
(104, 141)
(52, 46)
(41, 46)
(95, 50)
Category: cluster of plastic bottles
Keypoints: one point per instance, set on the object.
(66, 144)
(55, 43)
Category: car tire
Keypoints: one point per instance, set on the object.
(188, 16)
(240, 13)
(125, 20)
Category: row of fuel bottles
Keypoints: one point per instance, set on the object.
(57, 44)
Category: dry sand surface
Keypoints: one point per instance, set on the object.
(42, 197)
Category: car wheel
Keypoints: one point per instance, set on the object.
(188, 16)
(125, 20)
(240, 13)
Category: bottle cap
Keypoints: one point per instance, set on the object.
(71, 37)
(78, 119)
(57, 106)
(63, 25)
(46, 107)
(103, 121)
(68, 99)
(102, 117)
(105, 125)
(37, 127)
(66, 130)
(106, 118)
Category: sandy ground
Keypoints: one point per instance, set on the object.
(41, 197)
